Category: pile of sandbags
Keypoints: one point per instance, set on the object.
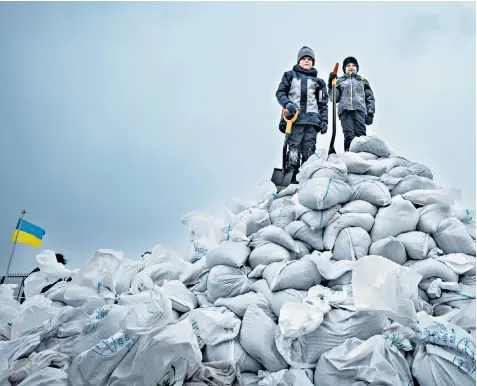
(271, 291)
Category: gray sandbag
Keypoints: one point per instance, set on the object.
(401, 216)
(323, 193)
(283, 215)
(182, 299)
(363, 220)
(231, 350)
(375, 361)
(226, 282)
(338, 325)
(222, 373)
(470, 226)
(419, 245)
(399, 172)
(370, 144)
(276, 235)
(250, 221)
(354, 163)
(359, 206)
(410, 183)
(352, 243)
(351, 178)
(374, 192)
(239, 304)
(316, 219)
(305, 249)
(432, 268)
(367, 156)
(230, 253)
(278, 298)
(300, 231)
(338, 283)
(427, 197)
(383, 165)
(452, 237)
(431, 216)
(390, 248)
(298, 274)
(289, 191)
(257, 337)
(269, 253)
(336, 170)
(420, 170)
(470, 259)
(163, 271)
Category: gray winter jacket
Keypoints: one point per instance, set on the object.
(353, 92)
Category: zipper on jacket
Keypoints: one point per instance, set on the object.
(351, 82)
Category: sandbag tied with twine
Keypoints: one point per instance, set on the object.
(316, 219)
(334, 168)
(383, 165)
(370, 144)
(297, 274)
(411, 183)
(323, 193)
(269, 253)
(419, 245)
(452, 237)
(352, 243)
(374, 192)
(276, 235)
(359, 206)
(224, 282)
(300, 231)
(354, 163)
(362, 220)
(390, 248)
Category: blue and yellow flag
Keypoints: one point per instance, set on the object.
(28, 233)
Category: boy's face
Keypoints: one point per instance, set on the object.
(351, 68)
(306, 62)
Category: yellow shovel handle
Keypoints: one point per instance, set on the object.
(289, 121)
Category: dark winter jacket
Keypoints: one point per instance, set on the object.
(307, 91)
(353, 92)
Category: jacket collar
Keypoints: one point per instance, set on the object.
(312, 72)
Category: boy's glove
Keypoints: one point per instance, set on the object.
(369, 119)
(291, 107)
(323, 127)
(330, 78)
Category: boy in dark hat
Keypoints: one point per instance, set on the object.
(355, 101)
(301, 89)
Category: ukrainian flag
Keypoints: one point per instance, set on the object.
(28, 233)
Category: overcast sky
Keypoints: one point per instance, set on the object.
(117, 119)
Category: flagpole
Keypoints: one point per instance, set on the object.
(13, 249)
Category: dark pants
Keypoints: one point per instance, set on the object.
(352, 123)
(303, 138)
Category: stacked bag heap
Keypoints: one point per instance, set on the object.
(362, 273)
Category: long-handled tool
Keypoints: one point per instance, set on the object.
(283, 177)
(332, 150)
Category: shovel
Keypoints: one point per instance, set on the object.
(331, 149)
(283, 177)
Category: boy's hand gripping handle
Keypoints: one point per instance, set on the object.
(289, 121)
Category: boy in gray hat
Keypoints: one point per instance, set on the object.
(355, 101)
(301, 89)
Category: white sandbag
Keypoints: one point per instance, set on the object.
(398, 172)
(297, 274)
(432, 268)
(419, 245)
(226, 282)
(229, 351)
(366, 155)
(247, 223)
(340, 282)
(323, 193)
(273, 234)
(193, 272)
(412, 183)
(305, 249)
(431, 216)
(126, 273)
(278, 298)
(300, 231)
(329, 268)
(452, 237)
(163, 271)
(212, 325)
(383, 165)
(335, 168)
(9, 307)
(269, 253)
(352, 243)
(182, 299)
(390, 248)
(352, 178)
(283, 215)
(470, 226)
(470, 260)
(338, 325)
(141, 282)
(290, 190)
(373, 361)
(432, 196)
(362, 220)
(257, 337)
(354, 163)
(420, 170)
(230, 253)
(316, 219)
(359, 206)
(401, 216)
(214, 373)
(23, 368)
(370, 144)
(374, 192)
(170, 356)
(49, 376)
(239, 304)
